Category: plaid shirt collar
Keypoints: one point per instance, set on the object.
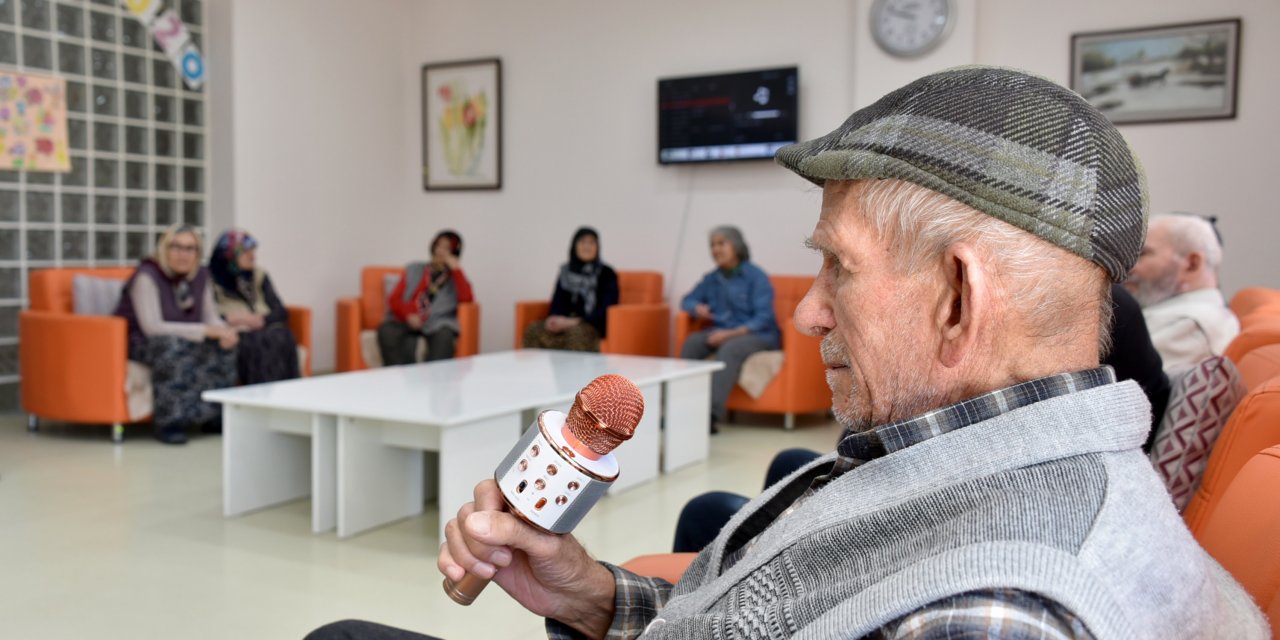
(857, 448)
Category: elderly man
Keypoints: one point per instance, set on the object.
(1176, 282)
(991, 483)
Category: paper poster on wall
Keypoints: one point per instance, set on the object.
(172, 36)
(33, 122)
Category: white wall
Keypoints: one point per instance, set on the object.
(325, 149)
(314, 164)
(1223, 167)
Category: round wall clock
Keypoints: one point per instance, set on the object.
(911, 28)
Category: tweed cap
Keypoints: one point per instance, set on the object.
(1007, 143)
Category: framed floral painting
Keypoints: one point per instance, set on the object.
(462, 125)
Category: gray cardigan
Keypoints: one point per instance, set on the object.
(1055, 498)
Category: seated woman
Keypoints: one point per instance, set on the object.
(585, 290)
(248, 302)
(425, 304)
(737, 299)
(174, 329)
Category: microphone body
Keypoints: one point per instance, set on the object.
(563, 464)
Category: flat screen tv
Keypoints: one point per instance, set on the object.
(744, 115)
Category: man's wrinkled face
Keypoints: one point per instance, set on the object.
(877, 344)
(1154, 278)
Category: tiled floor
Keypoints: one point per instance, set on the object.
(128, 541)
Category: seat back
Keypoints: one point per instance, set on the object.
(373, 294)
(1254, 426)
(1259, 333)
(788, 291)
(1259, 365)
(1269, 311)
(50, 289)
(639, 287)
(1243, 532)
(1246, 300)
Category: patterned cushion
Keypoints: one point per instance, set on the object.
(1199, 405)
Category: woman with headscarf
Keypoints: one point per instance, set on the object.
(585, 290)
(736, 298)
(175, 329)
(425, 304)
(248, 302)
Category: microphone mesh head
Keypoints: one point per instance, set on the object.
(605, 413)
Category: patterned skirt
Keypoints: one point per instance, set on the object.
(581, 337)
(267, 355)
(180, 371)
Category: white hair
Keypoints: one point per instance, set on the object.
(1189, 233)
(1043, 283)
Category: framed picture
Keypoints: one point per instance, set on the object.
(462, 125)
(1159, 74)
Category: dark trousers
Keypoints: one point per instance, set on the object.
(361, 630)
(732, 352)
(704, 516)
(398, 343)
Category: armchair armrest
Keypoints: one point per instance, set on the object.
(528, 312)
(804, 375)
(469, 323)
(300, 325)
(638, 329)
(685, 325)
(348, 335)
(73, 367)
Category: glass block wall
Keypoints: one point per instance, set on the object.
(138, 149)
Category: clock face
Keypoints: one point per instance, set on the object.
(910, 28)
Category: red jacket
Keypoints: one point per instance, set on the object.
(402, 309)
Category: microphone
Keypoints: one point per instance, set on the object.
(562, 464)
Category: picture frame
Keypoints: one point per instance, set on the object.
(462, 125)
(1168, 73)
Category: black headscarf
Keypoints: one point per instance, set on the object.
(580, 278)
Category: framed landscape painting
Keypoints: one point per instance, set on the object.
(1159, 74)
(462, 125)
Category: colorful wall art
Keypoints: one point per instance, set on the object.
(33, 122)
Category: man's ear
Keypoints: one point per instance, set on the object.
(1194, 262)
(965, 305)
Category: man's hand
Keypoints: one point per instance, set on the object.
(550, 575)
(703, 312)
(414, 321)
(720, 336)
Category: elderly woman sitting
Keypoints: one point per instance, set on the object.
(175, 329)
(247, 301)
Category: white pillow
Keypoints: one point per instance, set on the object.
(92, 296)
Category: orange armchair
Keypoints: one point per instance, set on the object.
(638, 324)
(1241, 533)
(1247, 300)
(1254, 426)
(801, 384)
(73, 367)
(365, 313)
(1260, 332)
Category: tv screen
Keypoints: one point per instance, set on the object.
(746, 115)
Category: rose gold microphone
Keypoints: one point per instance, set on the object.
(563, 464)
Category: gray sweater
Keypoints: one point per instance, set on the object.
(1055, 498)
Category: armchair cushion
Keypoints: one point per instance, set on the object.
(92, 296)
(1199, 406)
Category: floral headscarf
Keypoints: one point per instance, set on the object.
(226, 271)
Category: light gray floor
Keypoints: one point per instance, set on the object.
(106, 541)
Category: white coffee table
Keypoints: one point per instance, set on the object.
(353, 442)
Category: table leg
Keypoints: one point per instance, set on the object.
(686, 439)
(377, 483)
(469, 453)
(324, 473)
(262, 467)
(638, 457)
